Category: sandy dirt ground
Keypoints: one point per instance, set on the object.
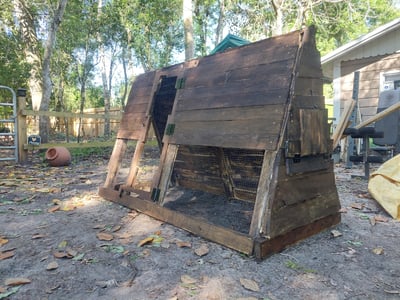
(60, 240)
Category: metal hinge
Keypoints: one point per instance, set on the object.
(155, 194)
(180, 83)
(170, 129)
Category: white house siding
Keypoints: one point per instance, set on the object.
(370, 79)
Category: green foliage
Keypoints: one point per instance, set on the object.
(149, 34)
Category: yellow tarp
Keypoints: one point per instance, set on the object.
(384, 186)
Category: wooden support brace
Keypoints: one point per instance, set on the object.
(343, 123)
(226, 171)
(115, 162)
(134, 168)
(264, 192)
(167, 171)
(379, 115)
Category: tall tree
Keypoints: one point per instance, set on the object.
(39, 81)
(187, 14)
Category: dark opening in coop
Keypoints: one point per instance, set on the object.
(234, 146)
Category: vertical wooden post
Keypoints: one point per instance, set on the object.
(115, 162)
(265, 189)
(167, 171)
(21, 123)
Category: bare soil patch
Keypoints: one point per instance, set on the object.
(65, 242)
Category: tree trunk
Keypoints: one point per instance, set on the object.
(46, 76)
(277, 28)
(104, 77)
(31, 50)
(221, 20)
(188, 28)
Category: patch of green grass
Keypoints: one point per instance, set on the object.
(295, 266)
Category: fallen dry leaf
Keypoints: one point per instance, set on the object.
(145, 241)
(116, 228)
(358, 206)
(54, 208)
(61, 254)
(186, 279)
(72, 252)
(336, 233)
(37, 236)
(2, 289)
(202, 250)
(16, 281)
(52, 266)
(3, 241)
(380, 218)
(98, 226)
(343, 210)
(125, 235)
(250, 285)
(146, 253)
(6, 254)
(56, 201)
(378, 251)
(182, 244)
(372, 221)
(102, 236)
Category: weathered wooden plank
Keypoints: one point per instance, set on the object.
(115, 162)
(314, 132)
(206, 98)
(273, 112)
(307, 164)
(211, 75)
(343, 123)
(166, 172)
(292, 189)
(300, 101)
(266, 247)
(299, 214)
(264, 51)
(265, 191)
(226, 172)
(252, 134)
(307, 86)
(221, 235)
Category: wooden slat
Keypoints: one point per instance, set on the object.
(167, 168)
(313, 131)
(61, 114)
(379, 115)
(292, 189)
(221, 235)
(265, 247)
(252, 134)
(204, 98)
(343, 123)
(261, 52)
(248, 76)
(310, 102)
(272, 112)
(290, 217)
(115, 162)
(265, 191)
(134, 120)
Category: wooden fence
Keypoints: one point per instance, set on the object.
(92, 126)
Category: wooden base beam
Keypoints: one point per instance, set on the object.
(265, 247)
(224, 236)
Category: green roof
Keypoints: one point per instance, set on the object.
(230, 41)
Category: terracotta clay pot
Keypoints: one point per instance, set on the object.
(58, 156)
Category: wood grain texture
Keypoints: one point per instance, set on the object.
(221, 235)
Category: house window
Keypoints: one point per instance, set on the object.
(390, 80)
